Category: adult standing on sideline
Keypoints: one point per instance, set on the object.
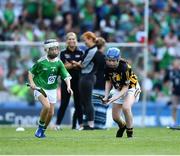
(72, 58)
(119, 75)
(44, 74)
(88, 78)
(100, 79)
(99, 87)
(172, 75)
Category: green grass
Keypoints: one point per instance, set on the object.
(147, 141)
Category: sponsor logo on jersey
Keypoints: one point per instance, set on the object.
(77, 56)
(53, 69)
(67, 56)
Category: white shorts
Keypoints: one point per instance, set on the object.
(133, 91)
(51, 95)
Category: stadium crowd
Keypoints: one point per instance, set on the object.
(114, 20)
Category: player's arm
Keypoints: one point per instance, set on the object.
(31, 82)
(33, 71)
(65, 76)
(108, 87)
(68, 83)
(120, 94)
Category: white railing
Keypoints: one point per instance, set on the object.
(23, 43)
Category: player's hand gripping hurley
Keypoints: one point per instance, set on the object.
(38, 89)
(102, 98)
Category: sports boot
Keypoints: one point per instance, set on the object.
(120, 131)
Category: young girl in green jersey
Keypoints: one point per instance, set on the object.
(44, 74)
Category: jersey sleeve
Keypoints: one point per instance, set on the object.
(126, 74)
(131, 78)
(63, 71)
(35, 69)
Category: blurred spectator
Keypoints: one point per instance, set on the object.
(31, 10)
(140, 34)
(171, 40)
(20, 90)
(9, 16)
(11, 78)
(87, 17)
(39, 31)
(160, 92)
(106, 17)
(115, 20)
(2, 87)
(147, 84)
(68, 22)
(48, 9)
(173, 76)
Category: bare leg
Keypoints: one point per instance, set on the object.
(116, 110)
(129, 101)
(174, 114)
(50, 114)
(43, 115)
(174, 107)
(45, 109)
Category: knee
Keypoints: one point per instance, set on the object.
(126, 109)
(47, 107)
(115, 116)
(51, 112)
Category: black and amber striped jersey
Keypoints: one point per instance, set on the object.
(121, 76)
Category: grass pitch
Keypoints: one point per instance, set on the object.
(147, 141)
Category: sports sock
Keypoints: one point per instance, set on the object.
(120, 123)
(41, 124)
(129, 132)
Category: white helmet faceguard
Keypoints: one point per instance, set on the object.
(50, 44)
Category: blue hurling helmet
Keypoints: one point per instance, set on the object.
(113, 53)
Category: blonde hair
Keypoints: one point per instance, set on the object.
(70, 34)
(89, 35)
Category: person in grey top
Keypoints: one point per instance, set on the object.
(87, 79)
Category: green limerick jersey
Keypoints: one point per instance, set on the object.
(46, 73)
